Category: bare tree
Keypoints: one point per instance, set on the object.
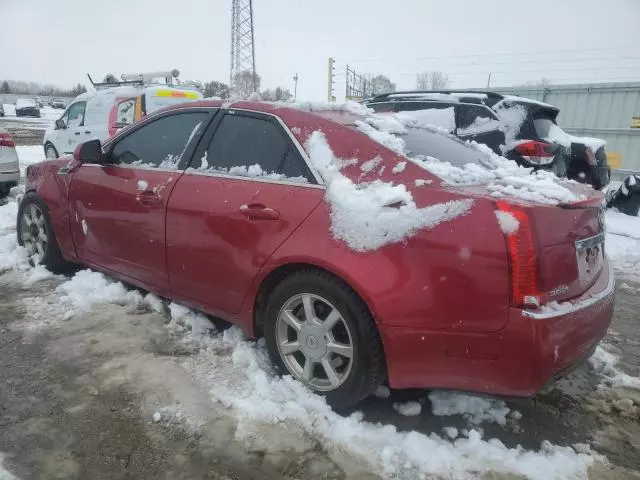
(277, 94)
(244, 84)
(381, 84)
(216, 89)
(431, 81)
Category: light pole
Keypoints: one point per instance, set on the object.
(295, 87)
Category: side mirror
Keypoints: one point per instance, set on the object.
(60, 123)
(89, 152)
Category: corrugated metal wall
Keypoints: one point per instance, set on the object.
(602, 110)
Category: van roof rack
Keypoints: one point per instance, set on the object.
(100, 85)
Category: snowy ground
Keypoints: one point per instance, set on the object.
(28, 130)
(119, 381)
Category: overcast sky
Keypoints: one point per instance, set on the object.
(566, 41)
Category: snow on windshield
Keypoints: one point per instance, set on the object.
(479, 125)
(369, 215)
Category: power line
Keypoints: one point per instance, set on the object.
(496, 54)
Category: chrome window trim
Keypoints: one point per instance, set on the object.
(579, 305)
(191, 171)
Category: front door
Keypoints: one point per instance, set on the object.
(117, 209)
(246, 191)
(74, 132)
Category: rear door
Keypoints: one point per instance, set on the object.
(247, 189)
(117, 210)
(480, 124)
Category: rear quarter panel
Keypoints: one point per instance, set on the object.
(453, 277)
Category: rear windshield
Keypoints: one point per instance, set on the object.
(424, 142)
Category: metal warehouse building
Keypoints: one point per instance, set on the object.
(610, 111)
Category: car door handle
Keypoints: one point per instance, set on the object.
(257, 211)
(148, 198)
(76, 133)
(87, 132)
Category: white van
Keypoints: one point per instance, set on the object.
(101, 113)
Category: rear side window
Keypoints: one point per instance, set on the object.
(252, 147)
(161, 143)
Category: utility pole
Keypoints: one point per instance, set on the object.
(330, 81)
(489, 80)
(243, 59)
(295, 86)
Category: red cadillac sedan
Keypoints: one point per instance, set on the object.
(356, 264)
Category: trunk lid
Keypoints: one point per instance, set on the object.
(570, 239)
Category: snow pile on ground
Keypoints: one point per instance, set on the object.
(408, 409)
(369, 215)
(244, 382)
(623, 243)
(474, 408)
(508, 223)
(87, 288)
(5, 474)
(604, 362)
(28, 155)
(183, 318)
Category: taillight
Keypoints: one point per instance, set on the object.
(6, 140)
(523, 259)
(536, 153)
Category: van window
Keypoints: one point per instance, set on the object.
(76, 114)
(125, 112)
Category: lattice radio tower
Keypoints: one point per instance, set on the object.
(243, 56)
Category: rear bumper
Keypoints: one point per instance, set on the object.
(532, 349)
(9, 177)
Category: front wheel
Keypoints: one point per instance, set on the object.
(319, 331)
(35, 234)
(50, 152)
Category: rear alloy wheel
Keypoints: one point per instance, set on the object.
(320, 332)
(314, 342)
(36, 235)
(50, 152)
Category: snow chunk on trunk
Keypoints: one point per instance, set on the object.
(508, 223)
(370, 215)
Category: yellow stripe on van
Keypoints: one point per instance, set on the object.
(176, 93)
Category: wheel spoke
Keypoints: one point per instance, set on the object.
(42, 236)
(40, 248)
(290, 319)
(342, 349)
(332, 375)
(33, 213)
(307, 372)
(26, 236)
(27, 219)
(331, 320)
(307, 302)
(289, 347)
(40, 221)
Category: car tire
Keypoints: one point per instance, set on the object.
(50, 152)
(35, 233)
(343, 361)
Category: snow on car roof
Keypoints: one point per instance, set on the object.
(516, 99)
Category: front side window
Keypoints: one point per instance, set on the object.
(76, 114)
(160, 143)
(252, 147)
